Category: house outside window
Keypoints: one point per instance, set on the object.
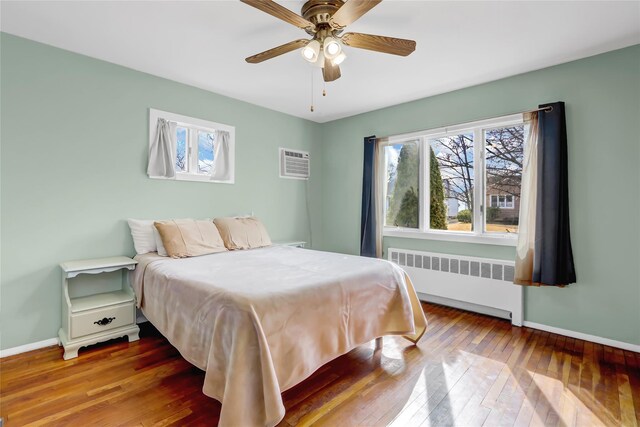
(459, 183)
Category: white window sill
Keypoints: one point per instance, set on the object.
(452, 236)
(193, 177)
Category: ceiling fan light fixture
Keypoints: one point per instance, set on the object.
(339, 59)
(331, 47)
(319, 62)
(311, 51)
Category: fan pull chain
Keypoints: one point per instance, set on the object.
(324, 88)
(312, 90)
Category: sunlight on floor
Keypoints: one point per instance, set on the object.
(393, 349)
(473, 390)
(562, 402)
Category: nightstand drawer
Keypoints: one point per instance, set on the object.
(104, 319)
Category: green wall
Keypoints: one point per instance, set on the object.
(74, 149)
(602, 96)
(73, 161)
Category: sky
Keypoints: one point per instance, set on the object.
(205, 148)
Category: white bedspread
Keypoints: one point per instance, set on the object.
(261, 321)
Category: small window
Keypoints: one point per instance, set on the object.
(501, 201)
(195, 146)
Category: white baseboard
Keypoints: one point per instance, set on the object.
(505, 315)
(586, 337)
(534, 325)
(47, 343)
(29, 347)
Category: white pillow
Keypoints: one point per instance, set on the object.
(156, 235)
(146, 237)
(142, 231)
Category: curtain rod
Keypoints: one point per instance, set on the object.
(545, 109)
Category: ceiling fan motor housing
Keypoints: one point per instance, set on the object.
(320, 12)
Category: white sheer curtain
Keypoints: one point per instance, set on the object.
(528, 195)
(221, 170)
(379, 182)
(162, 153)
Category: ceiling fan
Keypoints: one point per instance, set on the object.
(324, 21)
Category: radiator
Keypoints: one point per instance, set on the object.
(476, 284)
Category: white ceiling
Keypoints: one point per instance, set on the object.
(204, 43)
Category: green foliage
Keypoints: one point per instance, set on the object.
(492, 213)
(464, 216)
(408, 213)
(407, 174)
(438, 209)
(404, 207)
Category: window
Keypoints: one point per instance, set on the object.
(470, 175)
(195, 150)
(195, 145)
(402, 163)
(501, 201)
(504, 154)
(451, 182)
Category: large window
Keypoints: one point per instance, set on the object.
(195, 145)
(471, 174)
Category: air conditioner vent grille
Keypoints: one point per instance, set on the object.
(294, 164)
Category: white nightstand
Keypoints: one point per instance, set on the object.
(294, 243)
(97, 317)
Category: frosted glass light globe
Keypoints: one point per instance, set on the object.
(331, 47)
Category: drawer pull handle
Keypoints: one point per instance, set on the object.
(105, 321)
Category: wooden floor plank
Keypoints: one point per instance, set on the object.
(469, 370)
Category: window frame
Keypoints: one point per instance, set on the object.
(479, 233)
(193, 126)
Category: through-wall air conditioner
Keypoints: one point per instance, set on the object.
(294, 164)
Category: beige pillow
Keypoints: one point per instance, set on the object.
(187, 237)
(242, 232)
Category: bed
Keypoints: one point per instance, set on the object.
(260, 321)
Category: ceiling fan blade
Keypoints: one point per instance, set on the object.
(383, 44)
(351, 11)
(280, 12)
(276, 51)
(330, 72)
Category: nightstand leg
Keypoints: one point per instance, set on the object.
(70, 353)
(133, 337)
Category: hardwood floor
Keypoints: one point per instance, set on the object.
(468, 370)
